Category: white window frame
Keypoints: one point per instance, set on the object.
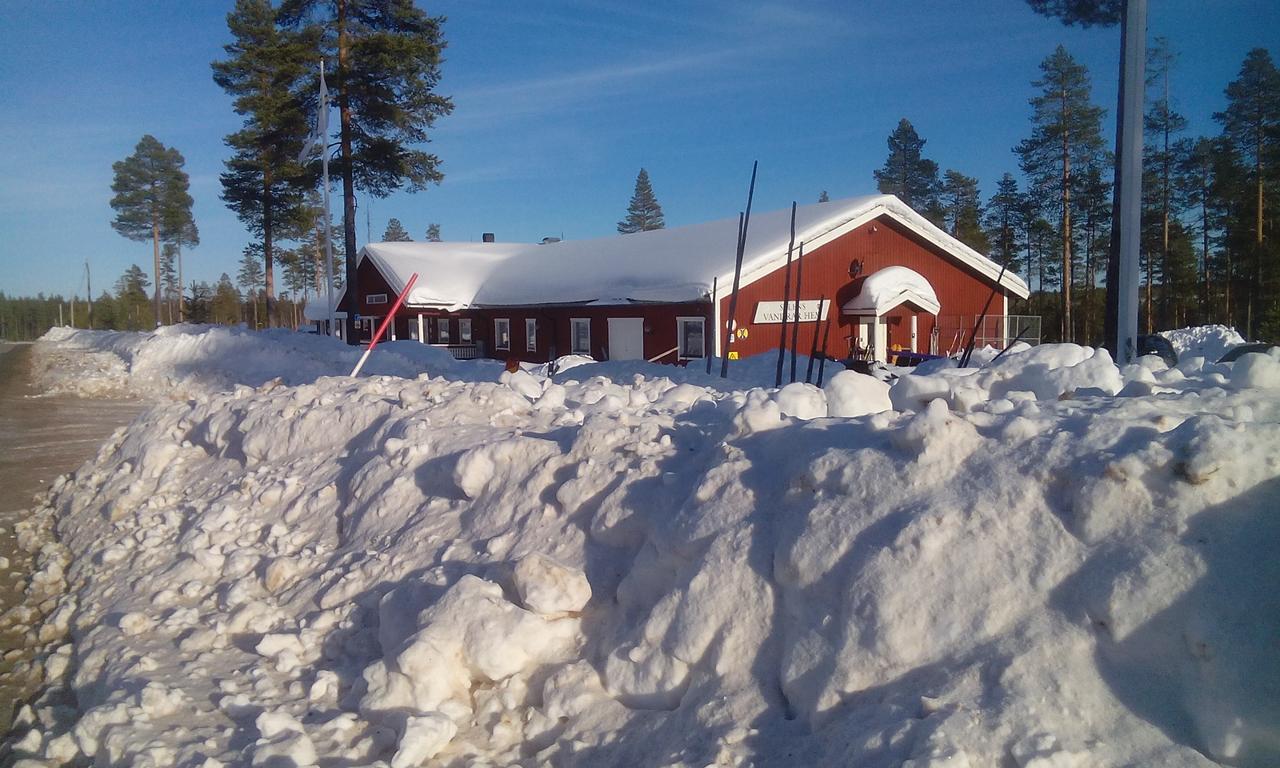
(501, 326)
(573, 336)
(531, 334)
(376, 298)
(464, 330)
(683, 353)
(442, 330)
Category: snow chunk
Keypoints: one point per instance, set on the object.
(850, 393)
(549, 587)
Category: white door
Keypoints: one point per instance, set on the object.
(626, 338)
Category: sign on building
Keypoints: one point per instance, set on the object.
(771, 311)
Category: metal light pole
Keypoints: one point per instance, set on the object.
(1129, 177)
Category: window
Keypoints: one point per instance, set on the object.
(464, 330)
(690, 337)
(442, 330)
(376, 298)
(580, 335)
(501, 333)
(530, 334)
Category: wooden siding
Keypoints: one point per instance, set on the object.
(877, 244)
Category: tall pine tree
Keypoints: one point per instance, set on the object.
(1251, 124)
(250, 277)
(644, 212)
(264, 183)
(1066, 131)
(1162, 124)
(388, 56)
(908, 174)
(1002, 222)
(151, 199)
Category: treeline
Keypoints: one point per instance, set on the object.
(1208, 254)
(129, 306)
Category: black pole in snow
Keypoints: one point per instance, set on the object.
(795, 324)
(813, 348)
(822, 363)
(715, 305)
(786, 300)
(973, 337)
(745, 221)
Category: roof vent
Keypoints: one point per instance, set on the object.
(487, 237)
(546, 240)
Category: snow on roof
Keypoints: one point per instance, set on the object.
(887, 288)
(318, 308)
(676, 264)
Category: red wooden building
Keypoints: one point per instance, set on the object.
(882, 274)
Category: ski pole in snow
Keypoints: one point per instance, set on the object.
(813, 349)
(786, 301)
(382, 327)
(795, 316)
(715, 302)
(743, 223)
(822, 362)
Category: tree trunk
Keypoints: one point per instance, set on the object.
(269, 279)
(155, 252)
(1066, 226)
(348, 178)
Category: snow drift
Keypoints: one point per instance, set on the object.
(1013, 567)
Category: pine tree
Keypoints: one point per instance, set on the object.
(433, 233)
(151, 199)
(131, 299)
(250, 276)
(1066, 131)
(199, 302)
(1002, 222)
(1251, 124)
(644, 213)
(961, 206)
(264, 183)
(1086, 13)
(395, 233)
(908, 174)
(170, 287)
(822, 198)
(388, 55)
(1093, 204)
(225, 305)
(1161, 124)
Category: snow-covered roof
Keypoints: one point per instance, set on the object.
(887, 288)
(676, 264)
(318, 308)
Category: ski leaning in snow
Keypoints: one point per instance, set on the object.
(1045, 560)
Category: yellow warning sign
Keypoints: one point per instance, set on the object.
(733, 355)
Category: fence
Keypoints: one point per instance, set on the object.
(998, 331)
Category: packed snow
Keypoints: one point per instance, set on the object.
(1045, 561)
(672, 264)
(1208, 341)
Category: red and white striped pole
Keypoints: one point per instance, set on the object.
(382, 327)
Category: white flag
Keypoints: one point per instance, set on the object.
(319, 138)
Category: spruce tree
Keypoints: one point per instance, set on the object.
(225, 306)
(388, 55)
(1002, 222)
(395, 233)
(433, 233)
(908, 174)
(643, 213)
(1066, 132)
(265, 71)
(1251, 125)
(961, 206)
(151, 199)
(822, 198)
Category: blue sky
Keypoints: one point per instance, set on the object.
(559, 104)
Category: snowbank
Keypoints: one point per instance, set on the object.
(1020, 569)
(1208, 341)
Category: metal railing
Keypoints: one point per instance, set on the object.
(461, 351)
(998, 331)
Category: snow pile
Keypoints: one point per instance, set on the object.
(1208, 341)
(643, 571)
(178, 360)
